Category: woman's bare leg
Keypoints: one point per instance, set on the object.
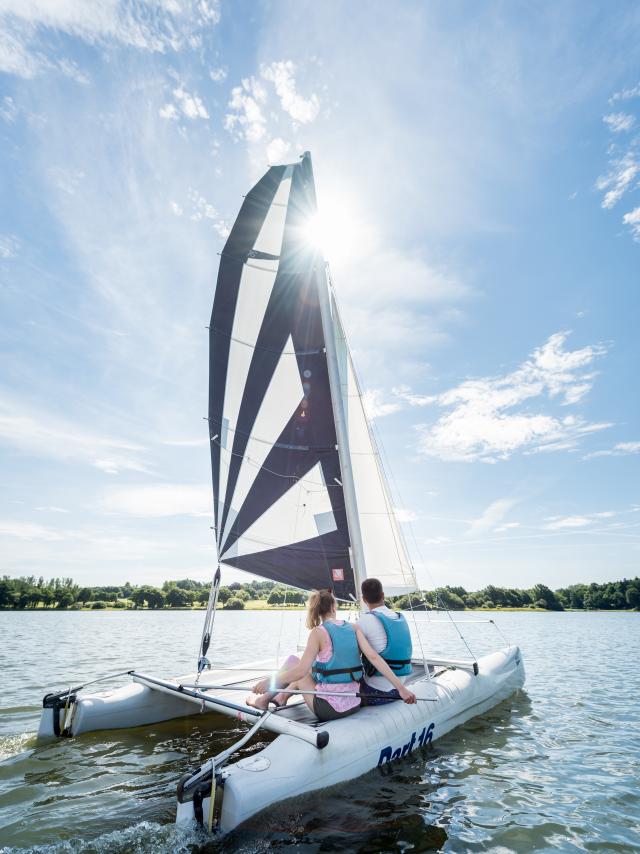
(261, 701)
(307, 683)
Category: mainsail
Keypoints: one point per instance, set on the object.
(279, 501)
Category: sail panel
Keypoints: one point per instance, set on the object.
(302, 513)
(240, 243)
(284, 394)
(385, 552)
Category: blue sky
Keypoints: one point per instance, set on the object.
(477, 168)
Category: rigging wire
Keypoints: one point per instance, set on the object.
(316, 351)
(396, 532)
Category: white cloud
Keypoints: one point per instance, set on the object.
(144, 25)
(159, 501)
(621, 449)
(404, 515)
(508, 526)
(246, 118)
(626, 94)
(252, 108)
(9, 245)
(186, 443)
(493, 514)
(632, 219)
(202, 209)
(218, 74)
(175, 208)
(52, 509)
(404, 392)
(281, 74)
(185, 104)
(621, 175)
(569, 522)
(483, 422)
(28, 531)
(375, 406)
(8, 110)
(44, 434)
(169, 111)
(277, 150)
(618, 122)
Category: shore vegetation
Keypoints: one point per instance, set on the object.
(64, 594)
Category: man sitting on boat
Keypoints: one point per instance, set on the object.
(329, 671)
(388, 633)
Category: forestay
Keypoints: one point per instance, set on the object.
(279, 505)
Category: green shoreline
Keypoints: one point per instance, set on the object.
(249, 607)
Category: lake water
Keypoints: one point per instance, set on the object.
(556, 768)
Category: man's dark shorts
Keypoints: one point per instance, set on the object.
(373, 697)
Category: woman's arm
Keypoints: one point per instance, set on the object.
(382, 667)
(292, 674)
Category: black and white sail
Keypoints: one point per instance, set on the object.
(279, 501)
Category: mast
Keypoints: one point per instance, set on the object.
(342, 435)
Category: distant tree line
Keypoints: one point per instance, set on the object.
(63, 593)
(614, 595)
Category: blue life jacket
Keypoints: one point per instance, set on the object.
(397, 652)
(344, 664)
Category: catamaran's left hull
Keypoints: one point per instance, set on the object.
(123, 708)
(373, 737)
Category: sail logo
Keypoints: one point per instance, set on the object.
(388, 754)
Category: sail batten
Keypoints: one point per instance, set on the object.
(277, 471)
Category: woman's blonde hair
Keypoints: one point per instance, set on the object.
(321, 603)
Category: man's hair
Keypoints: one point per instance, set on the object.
(372, 590)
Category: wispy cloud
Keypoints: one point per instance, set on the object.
(184, 105)
(486, 419)
(44, 434)
(246, 119)
(624, 161)
(9, 245)
(625, 94)
(494, 514)
(622, 173)
(375, 404)
(146, 26)
(618, 122)
(568, 522)
(160, 500)
(282, 75)
(404, 515)
(258, 105)
(8, 109)
(218, 74)
(621, 449)
(632, 219)
(28, 531)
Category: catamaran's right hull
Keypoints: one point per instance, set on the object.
(289, 767)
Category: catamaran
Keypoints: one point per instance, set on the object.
(299, 497)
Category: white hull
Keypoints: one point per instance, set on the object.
(373, 736)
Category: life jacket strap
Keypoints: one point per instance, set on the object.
(336, 671)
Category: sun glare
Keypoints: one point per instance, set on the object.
(334, 229)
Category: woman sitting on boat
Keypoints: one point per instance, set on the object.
(330, 667)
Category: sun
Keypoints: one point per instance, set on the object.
(333, 229)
